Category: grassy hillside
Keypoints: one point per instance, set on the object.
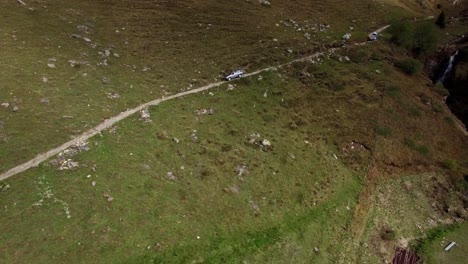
(315, 162)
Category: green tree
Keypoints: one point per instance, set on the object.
(441, 20)
(424, 38)
(401, 33)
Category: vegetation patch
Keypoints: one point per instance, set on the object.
(422, 149)
(409, 66)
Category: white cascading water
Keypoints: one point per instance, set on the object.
(449, 67)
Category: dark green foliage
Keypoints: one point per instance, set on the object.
(420, 39)
(401, 33)
(383, 131)
(388, 234)
(410, 66)
(441, 20)
(424, 38)
(393, 91)
(440, 89)
(450, 164)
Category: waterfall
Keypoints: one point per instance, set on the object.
(449, 68)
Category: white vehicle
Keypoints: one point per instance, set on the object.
(373, 36)
(235, 74)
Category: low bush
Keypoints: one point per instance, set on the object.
(410, 66)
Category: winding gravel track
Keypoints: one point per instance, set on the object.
(113, 120)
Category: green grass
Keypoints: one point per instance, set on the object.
(431, 247)
(297, 196)
(411, 143)
(183, 44)
(383, 131)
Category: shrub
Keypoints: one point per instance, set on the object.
(420, 39)
(422, 149)
(409, 66)
(440, 89)
(401, 33)
(450, 164)
(388, 234)
(393, 91)
(424, 38)
(383, 131)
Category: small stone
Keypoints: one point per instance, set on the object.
(45, 101)
(45, 79)
(78, 36)
(105, 80)
(88, 40)
(232, 189)
(93, 183)
(107, 53)
(170, 175)
(51, 65)
(15, 109)
(266, 143)
(316, 249)
(113, 95)
(108, 197)
(176, 140)
(5, 104)
(347, 36)
(254, 207)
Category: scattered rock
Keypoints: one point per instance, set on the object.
(230, 87)
(265, 3)
(15, 109)
(316, 249)
(4, 187)
(232, 189)
(45, 101)
(93, 183)
(146, 68)
(86, 39)
(204, 111)
(113, 95)
(145, 115)
(105, 80)
(83, 28)
(6, 105)
(51, 65)
(170, 175)
(266, 143)
(77, 64)
(68, 164)
(63, 160)
(176, 140)
(254, 207)
(45, 79)
(194, 136)
(108, 197)
(347, 36)
(107, 53)
(260, 78)
(77, 36)
(241, 170)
